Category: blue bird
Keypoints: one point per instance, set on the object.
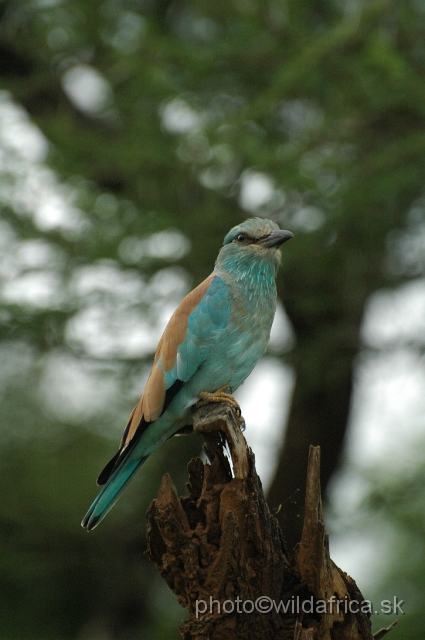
(211, 344)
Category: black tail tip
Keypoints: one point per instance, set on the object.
(90, 522)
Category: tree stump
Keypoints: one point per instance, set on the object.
(223, 554)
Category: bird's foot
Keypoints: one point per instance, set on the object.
(222, 394)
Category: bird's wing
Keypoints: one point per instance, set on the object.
(183, 347)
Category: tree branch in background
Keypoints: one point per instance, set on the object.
(223, 554)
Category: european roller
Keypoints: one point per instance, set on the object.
(211, 344)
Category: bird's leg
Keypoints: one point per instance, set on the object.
(223, 394)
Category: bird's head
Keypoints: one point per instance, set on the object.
(253, 241)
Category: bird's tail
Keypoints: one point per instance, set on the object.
(110, 493)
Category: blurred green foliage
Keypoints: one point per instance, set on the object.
(401, 504)
(160, 116)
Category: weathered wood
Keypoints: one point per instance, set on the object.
(383, 632)
(324, 579)
(223, 554)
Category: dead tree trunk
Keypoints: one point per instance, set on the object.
(223, 554)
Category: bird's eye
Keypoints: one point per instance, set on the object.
(240, 237)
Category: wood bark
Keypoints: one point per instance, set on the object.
(223, 553)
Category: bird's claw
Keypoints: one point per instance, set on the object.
(221, 395)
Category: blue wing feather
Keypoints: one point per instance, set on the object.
(206, 320)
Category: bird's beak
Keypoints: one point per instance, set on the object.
(276, 238)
